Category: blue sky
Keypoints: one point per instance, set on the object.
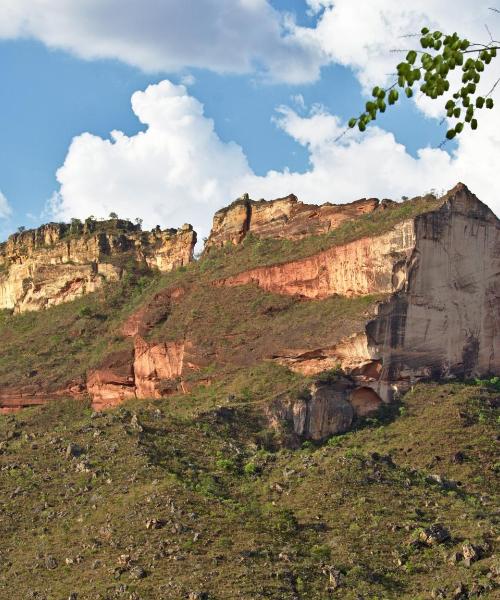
(53, 92)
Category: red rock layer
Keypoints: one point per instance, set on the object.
(365, 266)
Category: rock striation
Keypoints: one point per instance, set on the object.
(442, 317)
(60, 262)
(366, 266)
(283, 218)
(429, 279)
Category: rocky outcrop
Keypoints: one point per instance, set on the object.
(366, 266)
(58, 263)
(444, 322)
(156, 367)
(283, 218)
(351, 355)
(442, 319)
(327, 408)
(113, 382)
(150, 370)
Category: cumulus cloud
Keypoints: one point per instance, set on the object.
(179, 170)
(236, 36)
(176, 171)
(5, 210)
(361, 34)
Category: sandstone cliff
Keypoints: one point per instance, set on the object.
(394, 294)
(442, 318)
(283, 218)
(57, 263)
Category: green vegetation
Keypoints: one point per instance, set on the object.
(162, 499)
(241, 325)
(440, 55)
(256, 252)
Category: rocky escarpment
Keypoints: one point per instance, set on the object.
(59, 262)
(405, 292)
(283, 218)
(442, 319)
(439, 271)
(367, 266)
(444, 322)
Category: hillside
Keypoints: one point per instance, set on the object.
(285, 417)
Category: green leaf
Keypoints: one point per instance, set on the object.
(489, 103)
(352, 122)
(381, 105)
(473, 124)
(456, 112)
(411, 57)
(464, 45)
(376, 91)
(409, 92)
(361, 126)
(451, 133)
(459, 127)
(425, 30)
(480, 102)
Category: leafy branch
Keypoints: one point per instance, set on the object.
(432, 66)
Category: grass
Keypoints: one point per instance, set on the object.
(256, 252)
(269, 530)
(228, 327)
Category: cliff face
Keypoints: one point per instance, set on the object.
(442, 318)
(283, 218)
(366, 266)
(445, 320)
(408, 294)
(56, 263)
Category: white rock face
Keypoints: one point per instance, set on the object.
(445, 321)
(53, 264)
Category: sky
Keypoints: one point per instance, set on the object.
(169, 110)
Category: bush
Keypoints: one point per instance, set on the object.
(321, 552)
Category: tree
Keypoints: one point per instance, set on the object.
(432, 67)
(21, 228)
(113, 215)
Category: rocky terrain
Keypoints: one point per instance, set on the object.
(305, 339)
(57, 263)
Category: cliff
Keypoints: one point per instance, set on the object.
(58, 262)
(389, 293)
(283, 218)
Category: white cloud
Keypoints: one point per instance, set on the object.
(5, 210)
(361, 34)
(238, 36)
(178, 170)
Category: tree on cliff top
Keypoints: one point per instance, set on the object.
(435, 66)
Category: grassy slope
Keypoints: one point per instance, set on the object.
(239, 520)
(229, 326)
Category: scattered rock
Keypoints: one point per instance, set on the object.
(435, 534)
(154, 523)
(334, 577)
(458, 458)
(137, 572)
(50, 563)
(74, 451)
(459, 593)
(470, 554)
